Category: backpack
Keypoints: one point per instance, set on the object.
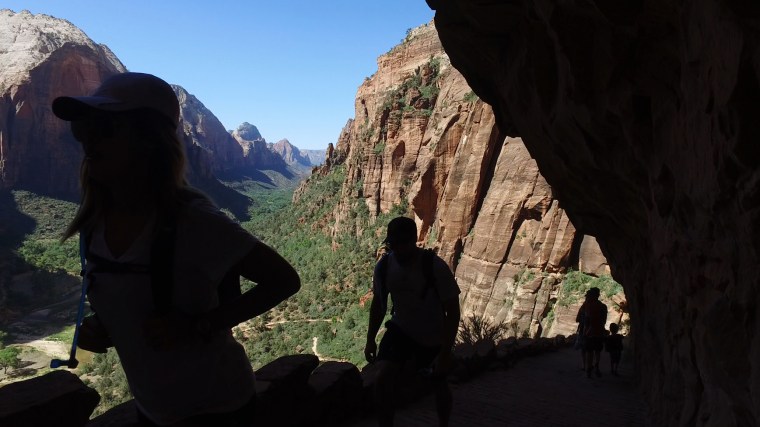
(428, 257)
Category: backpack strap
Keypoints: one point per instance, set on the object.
(83, 240)
(160, 268)
(428, 258)
(382, 273)
(103, 265)
(162, 265)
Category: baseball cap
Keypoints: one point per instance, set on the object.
(401, 229)
(119, 93)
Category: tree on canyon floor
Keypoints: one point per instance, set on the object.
(9, 358)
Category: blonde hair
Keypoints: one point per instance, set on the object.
(152, 135)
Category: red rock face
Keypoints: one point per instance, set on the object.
(37, 152)
(642, 116)
(477, 195)
(201, 129)
(257, 154)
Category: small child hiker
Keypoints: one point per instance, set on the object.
(614, 346)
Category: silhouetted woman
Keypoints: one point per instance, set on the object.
(164, 263)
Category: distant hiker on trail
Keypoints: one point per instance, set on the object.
(594, 314)
(614, 346)
(163, 262)
(580, 341)
(424, 319)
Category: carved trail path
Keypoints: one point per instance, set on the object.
(545, 390)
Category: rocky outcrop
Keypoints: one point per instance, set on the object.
(248, 132)
(642, 116)
(56, 398)
(256, 150)
(424, 143)
(41, 58)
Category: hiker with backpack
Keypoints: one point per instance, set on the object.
(162, 263)
(424, 319)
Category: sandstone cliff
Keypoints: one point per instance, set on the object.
(41, 58)
(422, 142)
(201, 129)
(642, 116)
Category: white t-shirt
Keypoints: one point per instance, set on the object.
(416, 311)
(200, 377)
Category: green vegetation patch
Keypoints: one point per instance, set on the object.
(470, 97)
(397, 98)
(43, 248)
(66, 335)
(576, 283)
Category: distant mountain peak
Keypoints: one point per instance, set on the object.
(284, 144)
(290, 153)
(248, 132)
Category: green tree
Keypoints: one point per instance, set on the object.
(9, 358)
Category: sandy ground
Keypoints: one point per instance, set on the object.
(35, 359)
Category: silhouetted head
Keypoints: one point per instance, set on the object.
(122, 93)
(614, 328)
(401, 237)
(128, 130)
(592, 294)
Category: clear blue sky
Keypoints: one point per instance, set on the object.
(289, 67)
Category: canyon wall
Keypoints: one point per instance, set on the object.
(423, 143)
(642, 116)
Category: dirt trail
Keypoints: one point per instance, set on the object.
(314, 342)
(544, 390)
(270, 325)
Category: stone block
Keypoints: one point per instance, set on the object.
(55, 399)
(283, 392)
(293, 370)
(369, 378)
(504, 350)
(337, 390)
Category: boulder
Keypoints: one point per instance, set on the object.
(59, 398)
(337, 390)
